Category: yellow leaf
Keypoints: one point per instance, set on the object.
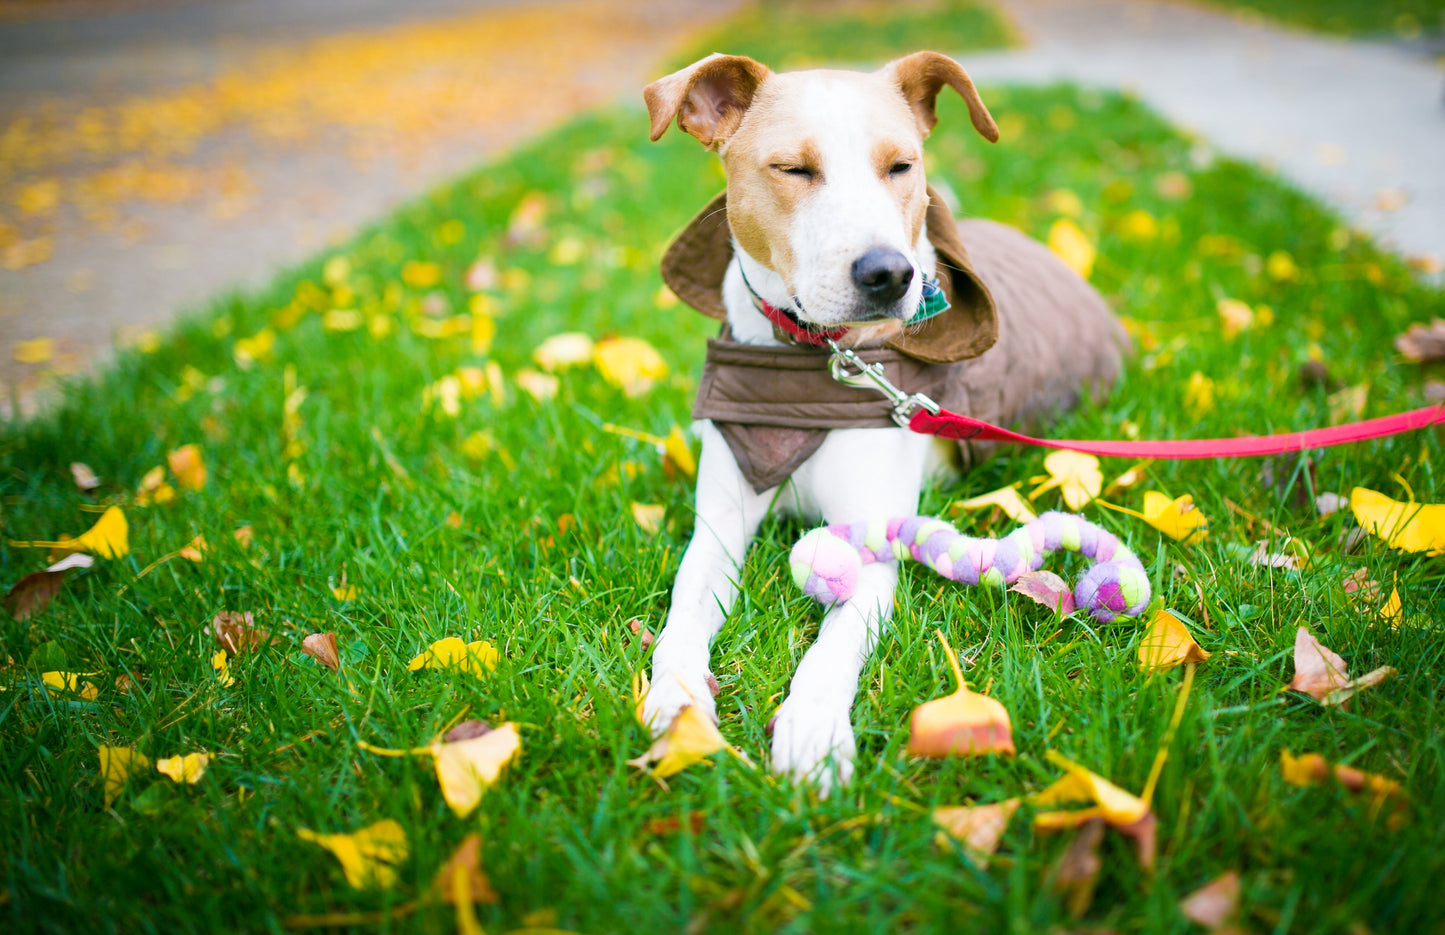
(1281, 267)
(421, 275)
(1177, 518)
(649, 516)
(1115, 806)
(153, 488)
(341, 320)
(257, 347)
(370, 857)
(187, 769)
(1234, 316)
(678, 453)
(188, 466)
(477, 657)
(567, 251)
(117, 764)
(1199, 394)
(964, 723)
(1310, 769)
(344, 592)
(1139, 225)
(1391, 612)
(195, 550)
(1412, 527)
(1007, 499)
(222, 665)
(465, 866)
(1168, 643)
(1072, 246)
(690, 738)
(70, 682)
(1062, 201)
(977, 827)
(467, 767)
(629, 363)
(560, 351)
(640, 686)
(37, 351)
(1076, 475)
(540, 386)
(484, 329)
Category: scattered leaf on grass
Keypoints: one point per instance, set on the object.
(83, 476)
(1008, 499)
(108, 538)
(1422, 343)
(238, 634)
(188, 466)
(1168, 643)
(117, 764)
(677, 454)
(33, 593)
(370, 857)
(1072, 245)
(673, 824)
(1126, 813)
(37, 351)
(222, 664)
(1292, 556)
(1214, 903)
(1310, 769)
(195, 550)
(187, 769)
(964, 723)
(1323, 675)
(1177, 518)
(1046, 588)
(478, 657)
(560, 351)
(467, 730)
(153, 489)
(979, 828)
(466, 862)
(691, 738)
(631, 364)
(1411, 527)
(1078, 869)
(539, 386)
(649, 516)
(1076, 475)
(71, 682)
(645, 637)
(322, 648)
(465, 768)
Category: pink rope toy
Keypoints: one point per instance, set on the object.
(826, 561)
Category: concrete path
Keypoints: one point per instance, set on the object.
(1359, 124)
(154, 157)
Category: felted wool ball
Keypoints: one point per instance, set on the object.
(825, 566)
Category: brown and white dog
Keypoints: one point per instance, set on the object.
(826, 203)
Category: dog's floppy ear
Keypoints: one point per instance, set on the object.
(922, 75)
(708, 97)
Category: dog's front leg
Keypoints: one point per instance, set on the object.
(728, 514)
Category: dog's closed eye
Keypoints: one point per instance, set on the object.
(899, 168)
(800, 171)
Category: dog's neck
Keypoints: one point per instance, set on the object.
(750, 326)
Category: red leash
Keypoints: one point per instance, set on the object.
(924, 416)
(952, 425)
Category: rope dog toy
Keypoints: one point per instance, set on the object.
(826, 561)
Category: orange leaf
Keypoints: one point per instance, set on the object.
(978, 827)
(1168, 643)
(964, 723)
(322, 648)
(188, 466)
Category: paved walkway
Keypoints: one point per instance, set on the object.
(152, 157)
(1359, 124)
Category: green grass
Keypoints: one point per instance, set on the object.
(798, 33)
(565, 830)
(1405, 18)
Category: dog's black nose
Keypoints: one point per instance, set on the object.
(882, 275)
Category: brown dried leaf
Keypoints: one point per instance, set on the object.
(1048, 589)
(237, 632)
(978, 827)
(1078, 870)
(33, 593)
(672, 824)
(644, 636)
(322, 648)
(1214, 903)
(467, 730)
(1318, 671)
(466, 864)
(84, 477)
(1422, 343)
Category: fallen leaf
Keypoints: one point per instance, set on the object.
(1048, 589)
(478, 657)
(153, 489)
(690, 738)
(71, 682)
(1392, 612)
(539, 386)
(188, 466)
(1177, 518)
(1328, 503)
(560, 351)
(1348, 404)
(1126, 813)
(238, 634)
(1281, 267)
(369, 857)
(1138, 225)
(1199, 394)
(677, 454)
(34, 592)
(108, 538)
(645, 637)
(117, 764)
(1214, 903)
(1078, 869)
(258, 347)
(83, 476)
(1076, 475)
(187, 769)
(649, 516)
(37, 351)
(1411, 527)
(1072, 245)
(1423, 343)
(673, 824)
(1318, 671)
(420, 274)
(322, 648)
(1008, 499)
(466, 862)
(1167, 643)
(1309, 769)
(1293, 555)
(222, 664)
(1174, 185)
(195, 550)
(465, 768)
(629, 363)
(979, 828)
(964, 723)
(467, 730)
(1234, 316)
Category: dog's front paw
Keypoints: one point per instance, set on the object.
(813, 742)
(672, 690)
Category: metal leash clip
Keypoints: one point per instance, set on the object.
(871, 376)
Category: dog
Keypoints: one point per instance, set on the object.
(828, 230)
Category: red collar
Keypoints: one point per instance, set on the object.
(795, 329)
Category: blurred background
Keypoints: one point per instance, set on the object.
(154, 153)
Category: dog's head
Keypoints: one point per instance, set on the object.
(825, 173)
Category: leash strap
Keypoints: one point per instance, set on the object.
(947, 424)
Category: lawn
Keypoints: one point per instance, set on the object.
(393, 507)
(1371, 18)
